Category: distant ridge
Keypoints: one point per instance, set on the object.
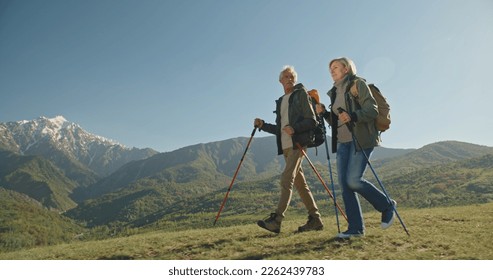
(193, 178)
(433, 154)
(65, 143)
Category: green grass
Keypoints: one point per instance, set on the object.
(451, 233)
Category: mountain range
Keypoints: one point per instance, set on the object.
(68, 145)
(51, 157)
(98, 182)
(193, 180)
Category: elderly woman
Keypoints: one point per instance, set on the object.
(353, 116)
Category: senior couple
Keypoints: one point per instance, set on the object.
(295, 118)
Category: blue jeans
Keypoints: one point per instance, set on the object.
(351, 166)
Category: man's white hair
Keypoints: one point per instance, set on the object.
(290, 69)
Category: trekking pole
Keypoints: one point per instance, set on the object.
(314, 94)
(234, 177)
(321, 180)
(331, 178)
(375, 174)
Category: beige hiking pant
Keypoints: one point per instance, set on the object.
(293, 175)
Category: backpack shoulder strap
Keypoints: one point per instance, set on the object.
(354, 91)
(351, 82)
(352, 88)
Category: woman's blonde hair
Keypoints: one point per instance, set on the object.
(348, 63)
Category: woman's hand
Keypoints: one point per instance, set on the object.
(344, 117)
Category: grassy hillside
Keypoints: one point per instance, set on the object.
(187, 195)
(24, 223)
(436, 234)
(38, 178)
(431, 155)
(464, 182)
(457, 183)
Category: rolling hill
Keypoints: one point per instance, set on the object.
(442, 233)
(25, 223)
(172, 200)
(38, 178)
(183, 189)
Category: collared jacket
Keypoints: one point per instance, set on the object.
(301, 119)
(363, 110)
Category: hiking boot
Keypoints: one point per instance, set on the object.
(271, 224)
(388, 216)
(313, 223)
(350, 234)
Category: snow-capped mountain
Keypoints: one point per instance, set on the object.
(66, 143)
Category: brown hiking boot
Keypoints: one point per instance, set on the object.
(313, 223)
(271, 224)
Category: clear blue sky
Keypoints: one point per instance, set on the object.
(167, 74)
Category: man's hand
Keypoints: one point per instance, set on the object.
(320, 108)
(289, 130)
(258, 123)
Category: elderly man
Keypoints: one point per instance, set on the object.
(295, 119)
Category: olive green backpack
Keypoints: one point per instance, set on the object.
(382, 121)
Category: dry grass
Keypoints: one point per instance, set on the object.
(436, 234)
